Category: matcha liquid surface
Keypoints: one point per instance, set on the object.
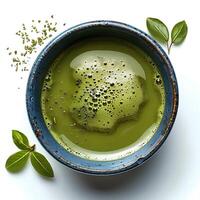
(102, 96)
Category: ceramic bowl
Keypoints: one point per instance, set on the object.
(65, 40)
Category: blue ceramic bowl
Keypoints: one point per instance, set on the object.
(63, 41)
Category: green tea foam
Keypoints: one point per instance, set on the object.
(108, 89)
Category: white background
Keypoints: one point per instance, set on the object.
(172, 174)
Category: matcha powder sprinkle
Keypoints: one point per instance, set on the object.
(31, 37)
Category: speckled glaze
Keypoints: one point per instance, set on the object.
(63, 41)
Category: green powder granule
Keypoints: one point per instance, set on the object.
(108, 89)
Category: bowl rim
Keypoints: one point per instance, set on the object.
(120, 168)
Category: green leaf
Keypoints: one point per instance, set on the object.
(20, 140)
(41, 164)
(179, 32)
(158, 29)
(17, 161)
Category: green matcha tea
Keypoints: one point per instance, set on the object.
(103, 98)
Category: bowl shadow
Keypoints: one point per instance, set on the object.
(135, 177)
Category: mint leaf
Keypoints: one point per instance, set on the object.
(179, 32)
(41, 164)
(20, 140)
(158, 29)
(17, 161)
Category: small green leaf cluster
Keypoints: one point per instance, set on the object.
(18, 160)
(161, 33)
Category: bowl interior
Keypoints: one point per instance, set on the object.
(61, 43)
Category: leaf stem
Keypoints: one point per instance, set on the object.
(32, 148)
(169, 45)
